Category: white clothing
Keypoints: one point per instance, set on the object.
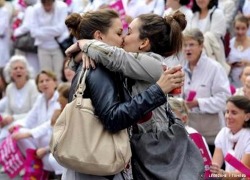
(217, 24)
(135, 8)
(239, 91)
(19, 103)
(246, 11)
(225, 143)
(236, 55)
(49, 162)
(214, 49)
(3, 104)
(51, 59)
(211, 84)
(78, 6)
(132, 8)
(184, 9)
(38, 124)
(95, 5)
(47, 26)
(24, 28)
(155, 6)
(41, 112)
(4, 36)
(229, 8)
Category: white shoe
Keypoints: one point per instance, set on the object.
(2, 170)
(22, 172)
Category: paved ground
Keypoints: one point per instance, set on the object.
(6, 177)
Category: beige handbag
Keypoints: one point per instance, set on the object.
(81, 143)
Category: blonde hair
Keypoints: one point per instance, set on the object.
(178, 104)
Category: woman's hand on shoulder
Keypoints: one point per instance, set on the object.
(87, 62)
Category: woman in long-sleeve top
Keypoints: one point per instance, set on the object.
(35, 130)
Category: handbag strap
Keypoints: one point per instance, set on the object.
(169, 113)
(171, 117)
(81, 87)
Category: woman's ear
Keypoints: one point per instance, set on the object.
(184, 118)
(98, 35)
(145, 45)
(247, 117)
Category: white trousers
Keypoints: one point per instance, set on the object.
(51, 59)
(49, 162)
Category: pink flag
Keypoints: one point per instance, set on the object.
(118, 6)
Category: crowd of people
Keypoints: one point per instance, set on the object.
(208, 40)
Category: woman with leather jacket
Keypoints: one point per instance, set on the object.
(106, 88)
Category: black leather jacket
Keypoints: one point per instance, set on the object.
(105, 88)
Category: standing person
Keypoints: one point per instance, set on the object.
(24, 28)
(235, 137)
(244, 9)
(134, 8)
(94, 5)
(239, 54)
(47, 28)
(35, 130)
(4, 34)
(103, 86)
(211, 21)
(181, 5)
(151, 44)
(21, 93)
(153, 6)
(205, 76)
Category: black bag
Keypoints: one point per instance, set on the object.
(166, 155)
(25, 43)
(65, 44)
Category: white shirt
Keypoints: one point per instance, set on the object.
(211, 84)
(236, 55)
(4, 36)
(38, 119)
(21, 101)
(26, 24)
(47, 26)
(242, 146)
(217, 24)
(184, 9)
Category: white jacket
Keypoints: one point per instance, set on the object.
(211, 84)
(47, 26)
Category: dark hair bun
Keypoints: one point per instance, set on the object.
(73, 20)
(181, 19)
